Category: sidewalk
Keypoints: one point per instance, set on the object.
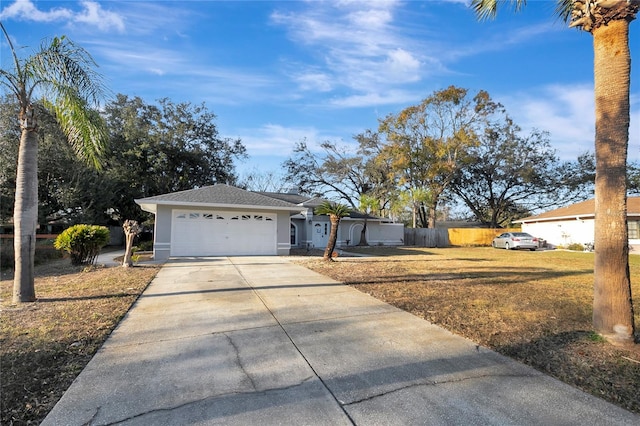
(259, 340)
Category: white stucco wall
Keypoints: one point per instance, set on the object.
(387, 234)
(562, 233)
(162, 233)
(284, 234)
(349, 232)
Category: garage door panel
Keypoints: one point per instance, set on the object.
(217, 233)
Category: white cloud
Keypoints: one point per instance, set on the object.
(92, 14)
(275, 139)
(401, 63)
(392, 97)
(567, 113)
(372, 18)
(26, 10)
(357, 46)
(314, 81)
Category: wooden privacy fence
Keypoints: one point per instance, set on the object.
(476, 236)
(426, 237)
(429, 237)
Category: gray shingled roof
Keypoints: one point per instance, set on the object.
(218, 195)
(229, 196)
(298, 199)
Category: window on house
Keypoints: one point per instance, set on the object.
(634, 229)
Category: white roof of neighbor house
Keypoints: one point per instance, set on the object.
(219, 195)
(582, 210)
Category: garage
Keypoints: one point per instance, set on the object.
(218, 233)
(219, 220)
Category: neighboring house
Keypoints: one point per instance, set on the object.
(222, 220)
(575, 223)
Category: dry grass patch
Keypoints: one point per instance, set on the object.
(532, 306)
(45, 344)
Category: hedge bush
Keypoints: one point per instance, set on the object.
(575, 247)
(83, 242)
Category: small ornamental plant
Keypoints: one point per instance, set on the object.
(83, 242)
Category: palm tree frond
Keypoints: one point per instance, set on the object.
(9, 80)
(16, 62)
(487, 9)
(85, 129)
(61, 65)
(333, 209)
(564, 8)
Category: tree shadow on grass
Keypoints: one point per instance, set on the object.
(493, 276)
(583, 359)
(95, 297)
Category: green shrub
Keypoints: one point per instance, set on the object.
(575, 247)
(143, 246)
(83, 242)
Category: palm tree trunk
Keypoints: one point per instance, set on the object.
(612, 306)
(25, 217)
(333, 238)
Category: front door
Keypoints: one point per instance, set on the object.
(320, 234)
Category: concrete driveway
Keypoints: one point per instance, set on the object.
(259, 340)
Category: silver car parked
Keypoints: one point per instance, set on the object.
(515, 240)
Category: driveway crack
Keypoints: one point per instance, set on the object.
(239, 361)
(432, 383)
(205, 399)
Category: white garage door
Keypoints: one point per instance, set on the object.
(221, 233)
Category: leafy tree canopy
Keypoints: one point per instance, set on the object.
(427, 143)
(157, 149)
(507, 175)
(152, 149)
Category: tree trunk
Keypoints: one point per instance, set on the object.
(432, 216)
(25, 216)
(363, 234)
(612, 305)
(414, 215)
(131, 229)
(333, 238)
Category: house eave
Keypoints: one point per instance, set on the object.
(556, 218)
(153, 207)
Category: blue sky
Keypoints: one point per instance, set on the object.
(276, 73)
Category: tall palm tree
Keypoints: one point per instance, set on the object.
(608, 22)
(62, 75)
(336, 212)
